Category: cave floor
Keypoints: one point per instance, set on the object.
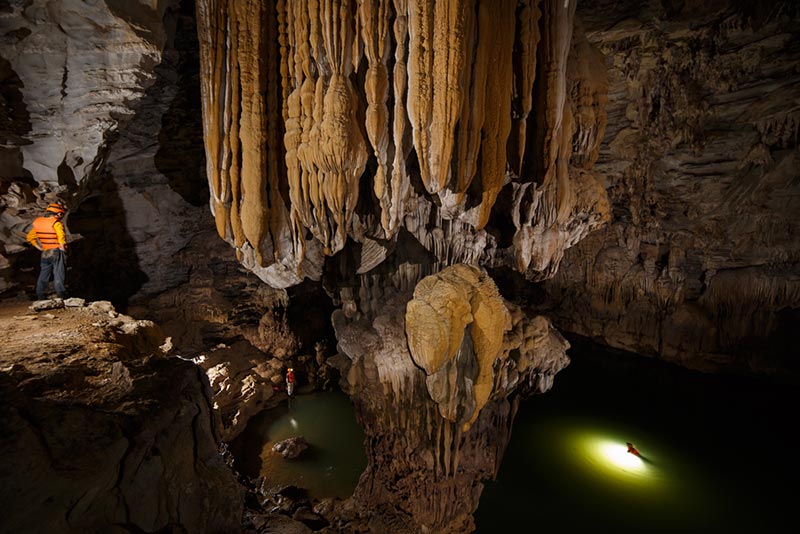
(65, 353)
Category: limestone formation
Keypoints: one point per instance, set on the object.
(700, 155)
(80, 68)
(465, 75)
(438, 409)
(455, 325)
(115, 435)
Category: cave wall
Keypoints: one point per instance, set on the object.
(699, 264)
(115, 134)
(80, 65)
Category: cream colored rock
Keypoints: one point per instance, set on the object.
(447, 307)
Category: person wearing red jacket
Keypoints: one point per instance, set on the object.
(49, 236)
(290, 381)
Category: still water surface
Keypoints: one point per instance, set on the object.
(332, 464)
(716, 452)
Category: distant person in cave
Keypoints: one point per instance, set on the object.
(49, 236)
(290, 381)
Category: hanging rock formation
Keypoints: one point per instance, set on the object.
(383, 141)
(398, 115)
(438, 410)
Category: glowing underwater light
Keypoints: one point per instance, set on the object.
(618, 455)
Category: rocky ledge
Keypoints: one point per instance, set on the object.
(102, 431)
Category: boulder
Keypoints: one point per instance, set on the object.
(291, 448)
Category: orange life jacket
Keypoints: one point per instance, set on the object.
(46, 233)
(290, 377)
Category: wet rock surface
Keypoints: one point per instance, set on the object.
(432, 439)
(291, 448)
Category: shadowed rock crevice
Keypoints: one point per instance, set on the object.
(180, 156)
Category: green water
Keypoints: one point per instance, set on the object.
(717, 454)
(332, 464)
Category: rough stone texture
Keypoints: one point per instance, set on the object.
(129, 130)
(241, 331)
(101, 431)
(291, 448)
(425, 466)
(700, 155)
(79, 67)
(293, 182)
(455, 325)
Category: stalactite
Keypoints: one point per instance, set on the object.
(253, 128)
(342, 153)
(461, 94)
(555, 47)
(212, 30)
(375, 20)
(420, 84)
(497, 122)
(232, 146)
(400, 182)
(449, 62)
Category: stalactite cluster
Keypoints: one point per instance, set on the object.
(331, 122)
(405, 137)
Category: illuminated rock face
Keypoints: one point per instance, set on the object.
(438, 409)
(81, 68)
(332, 125)
(383, 141)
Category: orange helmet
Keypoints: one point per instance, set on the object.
(56, 208)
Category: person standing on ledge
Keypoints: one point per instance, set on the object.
(290, 380)
(49, 236)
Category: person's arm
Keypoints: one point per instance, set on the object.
(33, 239)
(60, 234)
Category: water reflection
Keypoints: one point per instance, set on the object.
(568, 469)
(333, 463)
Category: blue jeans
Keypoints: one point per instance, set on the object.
(53, 264)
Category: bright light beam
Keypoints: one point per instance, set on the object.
(618, 455)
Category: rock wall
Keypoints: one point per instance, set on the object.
(116, 135)
(80, 66)
(244, 333)
(700, 263)
(103, 432)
